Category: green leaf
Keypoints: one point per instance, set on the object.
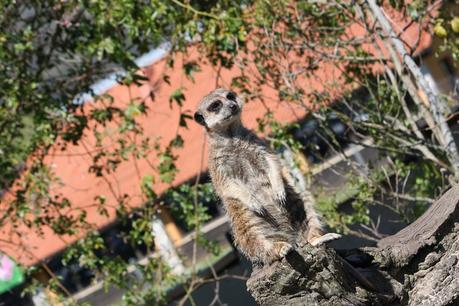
(189, 68)
(177, 96)
(183, 119)
(147, 186)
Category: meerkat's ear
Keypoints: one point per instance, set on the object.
(199, 118)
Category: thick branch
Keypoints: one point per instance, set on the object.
(313, 276)
(417, 266)
(397, 250)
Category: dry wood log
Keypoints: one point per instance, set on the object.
(417, 266)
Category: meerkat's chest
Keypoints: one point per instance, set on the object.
(246, 164)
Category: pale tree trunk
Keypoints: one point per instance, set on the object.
(165, 247)
(436, 105)
(417, 266)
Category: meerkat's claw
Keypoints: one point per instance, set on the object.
(284, 249)
(281, 196)
(324, 238)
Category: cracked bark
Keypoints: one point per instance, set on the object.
(417, 266)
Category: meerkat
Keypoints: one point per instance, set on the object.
(267, 215)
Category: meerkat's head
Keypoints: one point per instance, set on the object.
(219, 109)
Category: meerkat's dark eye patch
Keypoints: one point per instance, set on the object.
(199, 118)
(231, 96)
(215, 106)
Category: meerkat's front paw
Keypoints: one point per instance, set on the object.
(324, 238)
(281, 196)
(282, 248)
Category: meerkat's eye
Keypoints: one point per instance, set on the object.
(231, 96)
(215, 106)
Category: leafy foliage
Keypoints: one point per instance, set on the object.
(181, 201)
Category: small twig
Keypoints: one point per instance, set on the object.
(191, 8)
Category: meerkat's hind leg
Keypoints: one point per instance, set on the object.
(317, 241)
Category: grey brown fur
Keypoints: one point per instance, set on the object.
(268, 216)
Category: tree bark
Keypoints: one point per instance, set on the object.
(417, 266)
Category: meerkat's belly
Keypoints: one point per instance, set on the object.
(252, 172)
(246, 166)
